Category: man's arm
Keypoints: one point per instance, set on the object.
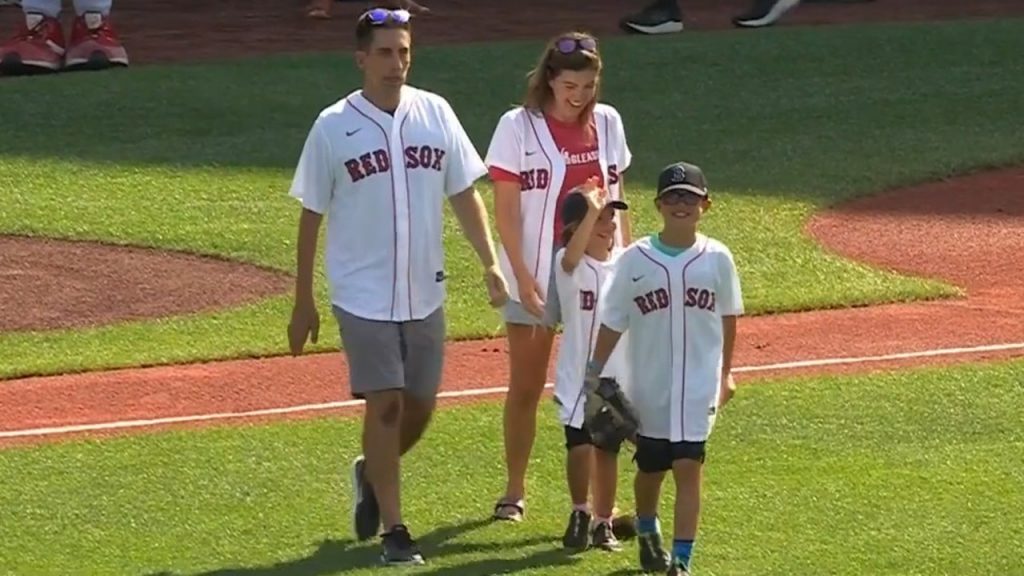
(309, 230)
(472, 215)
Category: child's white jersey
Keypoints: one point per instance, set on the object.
(579, 294)
(672, 307)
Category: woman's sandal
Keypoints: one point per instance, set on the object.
(509, 510)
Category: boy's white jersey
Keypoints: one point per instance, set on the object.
(672, 307)
(579, 294)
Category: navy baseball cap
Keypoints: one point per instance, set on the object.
(575, 207)
(682, 177)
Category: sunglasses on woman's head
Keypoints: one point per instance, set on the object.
(569, 45)
(379, 16)
(673, 197)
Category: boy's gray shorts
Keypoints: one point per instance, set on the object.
(382, 355)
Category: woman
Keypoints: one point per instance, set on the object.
(556, 140)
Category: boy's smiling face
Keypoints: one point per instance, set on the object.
(681, 207)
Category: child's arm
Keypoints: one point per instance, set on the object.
(731, 303)
(613, 312)
(606, 341)
(581, 237)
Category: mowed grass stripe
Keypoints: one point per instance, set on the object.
(199, 158)
(890, 474)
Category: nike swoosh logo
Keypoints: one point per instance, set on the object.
(347, 133)
(531, 153)
(637, 278)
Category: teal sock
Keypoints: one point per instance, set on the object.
(681, 551)
(647, 525)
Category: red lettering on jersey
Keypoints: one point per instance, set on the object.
(383, 160)
(653, 301)
(534, 179)
(700, 298)
(691, 297)
(587, 300)
(366, 161)
(438, 156)
(661, 296)
(613, 174)
(412, 160)
(426, 156)
(641, 303)
(352, 165)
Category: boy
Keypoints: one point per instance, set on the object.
(678, 294)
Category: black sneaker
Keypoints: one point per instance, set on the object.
(653, 557)
(577, 533)
(399, 547)
(659, 17)
(365, 512)
(603, 537)
(764, 13)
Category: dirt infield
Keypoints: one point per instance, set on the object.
(928, 230)
(50, 284)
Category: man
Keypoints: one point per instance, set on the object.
(664, 16)
(379, 163)
(39, 46)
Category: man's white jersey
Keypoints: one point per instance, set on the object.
(382, 180)
(672, 307)
(579, 294)
(522, 144)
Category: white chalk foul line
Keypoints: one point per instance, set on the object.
(32, 432)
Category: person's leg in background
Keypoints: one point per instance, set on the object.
(658, 17)
(94, 44)
(38, 45)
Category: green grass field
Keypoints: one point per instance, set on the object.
(199, 158)
(911, 473)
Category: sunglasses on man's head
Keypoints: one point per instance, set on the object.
(673, 197)
(379, 16)
(569, 45)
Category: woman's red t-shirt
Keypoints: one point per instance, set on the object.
(581, 162)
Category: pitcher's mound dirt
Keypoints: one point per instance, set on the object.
(47, 284)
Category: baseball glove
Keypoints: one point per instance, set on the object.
(608, 415)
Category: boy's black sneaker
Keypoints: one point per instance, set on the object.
(653, 557)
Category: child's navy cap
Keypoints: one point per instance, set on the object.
(682, 176)
(575, 207)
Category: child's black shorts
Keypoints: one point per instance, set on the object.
(657, 455)
(581, 437)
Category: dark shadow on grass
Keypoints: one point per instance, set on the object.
(340, 556)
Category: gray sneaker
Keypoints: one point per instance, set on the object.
(577, 533)
(653, 557)
(603, 537)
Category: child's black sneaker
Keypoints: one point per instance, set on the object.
(653, 557)
(399, 547)
(603, 537)
(577, 533)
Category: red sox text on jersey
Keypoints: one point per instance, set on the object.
(378, 161)
(658, 299)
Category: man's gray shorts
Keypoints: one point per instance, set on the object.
(393, 355)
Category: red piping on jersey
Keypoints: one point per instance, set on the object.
(590, 333)
(394, 204)
(408, 211)
(547, 196)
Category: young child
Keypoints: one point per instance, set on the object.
(678, 294)
(581, 266)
